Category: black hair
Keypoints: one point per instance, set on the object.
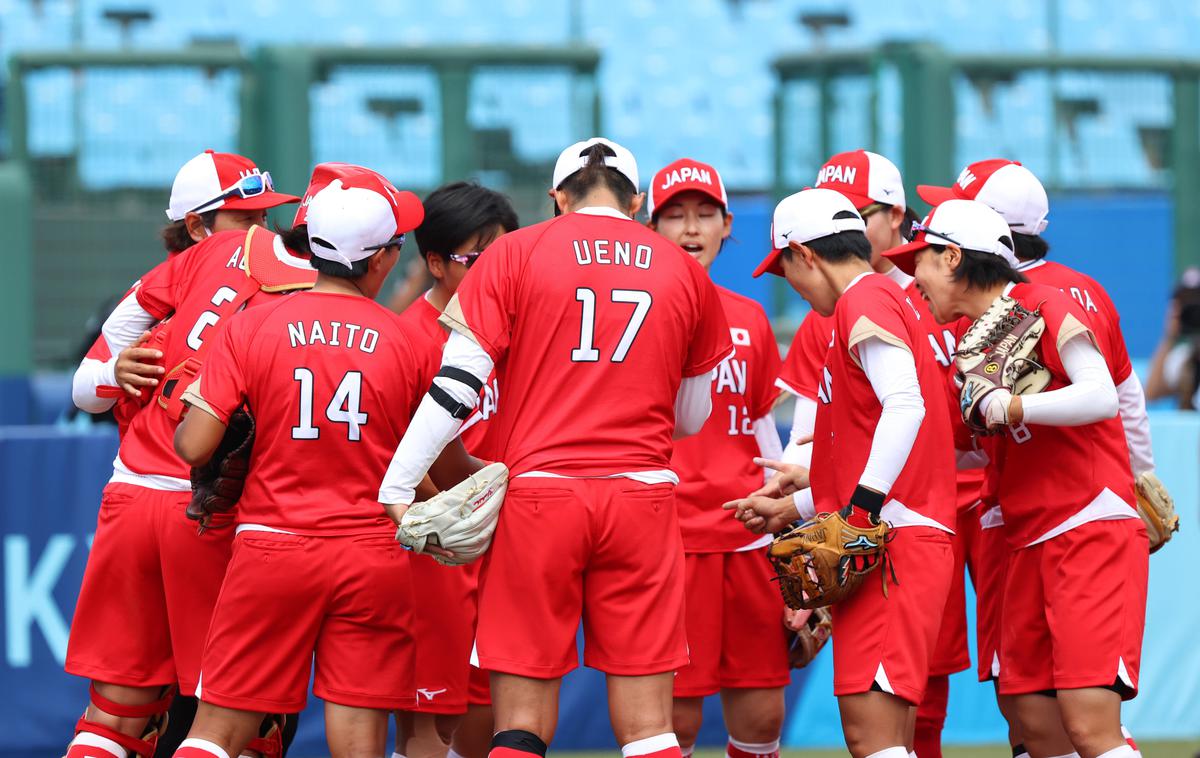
(457, 212)
(983, 270)
(910, 218)
(296, 239)
(594, 173)
(839, 247)
(175, 235)
(357, 269)
(1030, 247)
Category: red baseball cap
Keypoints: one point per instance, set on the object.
(1003, 185)
(356, 212)
(681, 176)
(323, 174)
(864, 177)
(215, 180)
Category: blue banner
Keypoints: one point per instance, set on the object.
(50, 482)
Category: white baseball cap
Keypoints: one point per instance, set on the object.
(215, 180)
(575, 157)
(970, 224)
(351, 219)
(805, 216)
(864, 177)
(1005, 186)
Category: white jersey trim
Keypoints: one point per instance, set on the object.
(899, 515)
(122, 474)
(1107, 506)
(656, 476)
(259, 528)
(758, 544)
(992, 518)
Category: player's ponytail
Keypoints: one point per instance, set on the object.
(596, 173)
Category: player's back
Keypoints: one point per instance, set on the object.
(597, 319)
(849, 409)
(331, 381)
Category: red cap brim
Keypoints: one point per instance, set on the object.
(770, 264)
(904, 257)
(409, 212)
(935, 196)
(678, 189)
(258, 202)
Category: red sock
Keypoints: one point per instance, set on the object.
(931, 717)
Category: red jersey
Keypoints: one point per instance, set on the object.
(716, 464)
(1085, 460)
(942, 340)
(593, 320)
(848, 409)
(187, 288)
(801, 370)
(331, 381)
(429, 338)
(1097, 306)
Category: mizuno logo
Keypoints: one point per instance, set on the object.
(430, 694)
(861, 543)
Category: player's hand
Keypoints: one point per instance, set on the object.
(137, 367)
(761, 514)
(789, 478)
(795, 620)
(396, 511)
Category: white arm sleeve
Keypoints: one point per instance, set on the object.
(1132, 401)
(804, 420)
(432, 428)
(767, 437)
(121, 329)
(893, 375)
(1090, 397)
(693, 404)
(805, 506)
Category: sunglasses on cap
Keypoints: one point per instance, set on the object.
(398, 241)
(466, 259)
(919, 227)
(250, 185)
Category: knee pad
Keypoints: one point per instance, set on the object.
(144, 747)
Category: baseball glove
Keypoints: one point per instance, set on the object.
(460, 519)
(1157, 509)
(824, 560)
(997, 352)
(804, 645)
(217, 485)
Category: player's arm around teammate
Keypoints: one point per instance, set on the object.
(128, 585)
(735, 634)
(607, 335)
(883, 400)
(1070, 524)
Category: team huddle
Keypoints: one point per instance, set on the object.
(574, 427)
